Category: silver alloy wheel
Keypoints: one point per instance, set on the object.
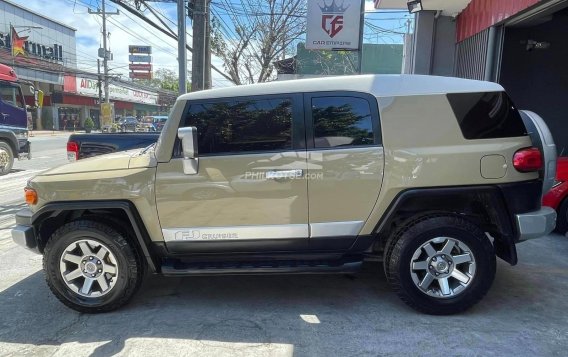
(88, 268)
(446, 261)
(4, 158)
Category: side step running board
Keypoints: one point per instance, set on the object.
(251, 268)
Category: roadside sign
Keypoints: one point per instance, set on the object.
(107, 110)
(139, 58)
(140, 75)
(140, 66)
(147, 50)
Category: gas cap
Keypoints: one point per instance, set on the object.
(493, 166)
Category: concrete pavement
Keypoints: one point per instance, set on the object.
(47, 152)
(524, 314)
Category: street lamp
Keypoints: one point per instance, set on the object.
(414, 6)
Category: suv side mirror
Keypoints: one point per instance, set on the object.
(188, 137)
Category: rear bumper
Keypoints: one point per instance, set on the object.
(535, 224)
(24, 234)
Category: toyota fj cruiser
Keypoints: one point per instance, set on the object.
(435, 176)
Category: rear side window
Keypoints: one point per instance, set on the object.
(234, 127)
(342, 121)
(486, 115)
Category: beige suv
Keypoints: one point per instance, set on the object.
(435, 176)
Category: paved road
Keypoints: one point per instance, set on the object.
(48, 151)
(524, 314)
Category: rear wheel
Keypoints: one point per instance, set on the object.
(91, 267)
(6, 158)
(440, 264)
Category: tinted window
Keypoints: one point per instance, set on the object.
(342, 121)
(487, 115)
(240, 126)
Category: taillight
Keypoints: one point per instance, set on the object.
(527, 160)
(72, 151)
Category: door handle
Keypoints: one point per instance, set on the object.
(281, 175)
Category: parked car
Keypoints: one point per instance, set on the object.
(556, 197)
(146, 124)
(82, 146)
(128, 124)
(159, 121)
(311, 176)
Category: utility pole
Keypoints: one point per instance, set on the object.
(182, 52)
(199, 58)
(99, 81)
(104, 53)
(207, 71)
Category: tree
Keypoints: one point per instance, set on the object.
(163, 79)
(249, 47)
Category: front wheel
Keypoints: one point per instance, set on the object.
(440, 264)
(91, 267)
(6, 158)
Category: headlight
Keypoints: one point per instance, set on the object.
(23, 135)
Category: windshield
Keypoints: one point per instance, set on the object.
(12, 95)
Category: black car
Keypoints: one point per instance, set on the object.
(128, 124)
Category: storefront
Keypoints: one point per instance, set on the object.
(520, 44)
(80, 99)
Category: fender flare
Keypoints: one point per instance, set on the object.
(505, 247)
(54, 209)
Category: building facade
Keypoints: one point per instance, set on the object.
(39, 49)
(43, 51)
(520, 44)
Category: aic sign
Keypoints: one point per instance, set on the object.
(333, 25)
(88, 87)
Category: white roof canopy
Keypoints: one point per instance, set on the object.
(448, 7)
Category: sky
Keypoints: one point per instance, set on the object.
(125, 29)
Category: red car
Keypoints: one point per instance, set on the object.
(556, 197)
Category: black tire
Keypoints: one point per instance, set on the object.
(130, 266)
(562, 218)
(412, 236)
(6, 149)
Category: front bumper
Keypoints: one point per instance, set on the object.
(535, 224)
(24, 234)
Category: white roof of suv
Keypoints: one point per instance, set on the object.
(376, 84)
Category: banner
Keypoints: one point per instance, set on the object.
(88, 87)
(333, 25)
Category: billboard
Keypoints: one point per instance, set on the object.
(333, 25)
